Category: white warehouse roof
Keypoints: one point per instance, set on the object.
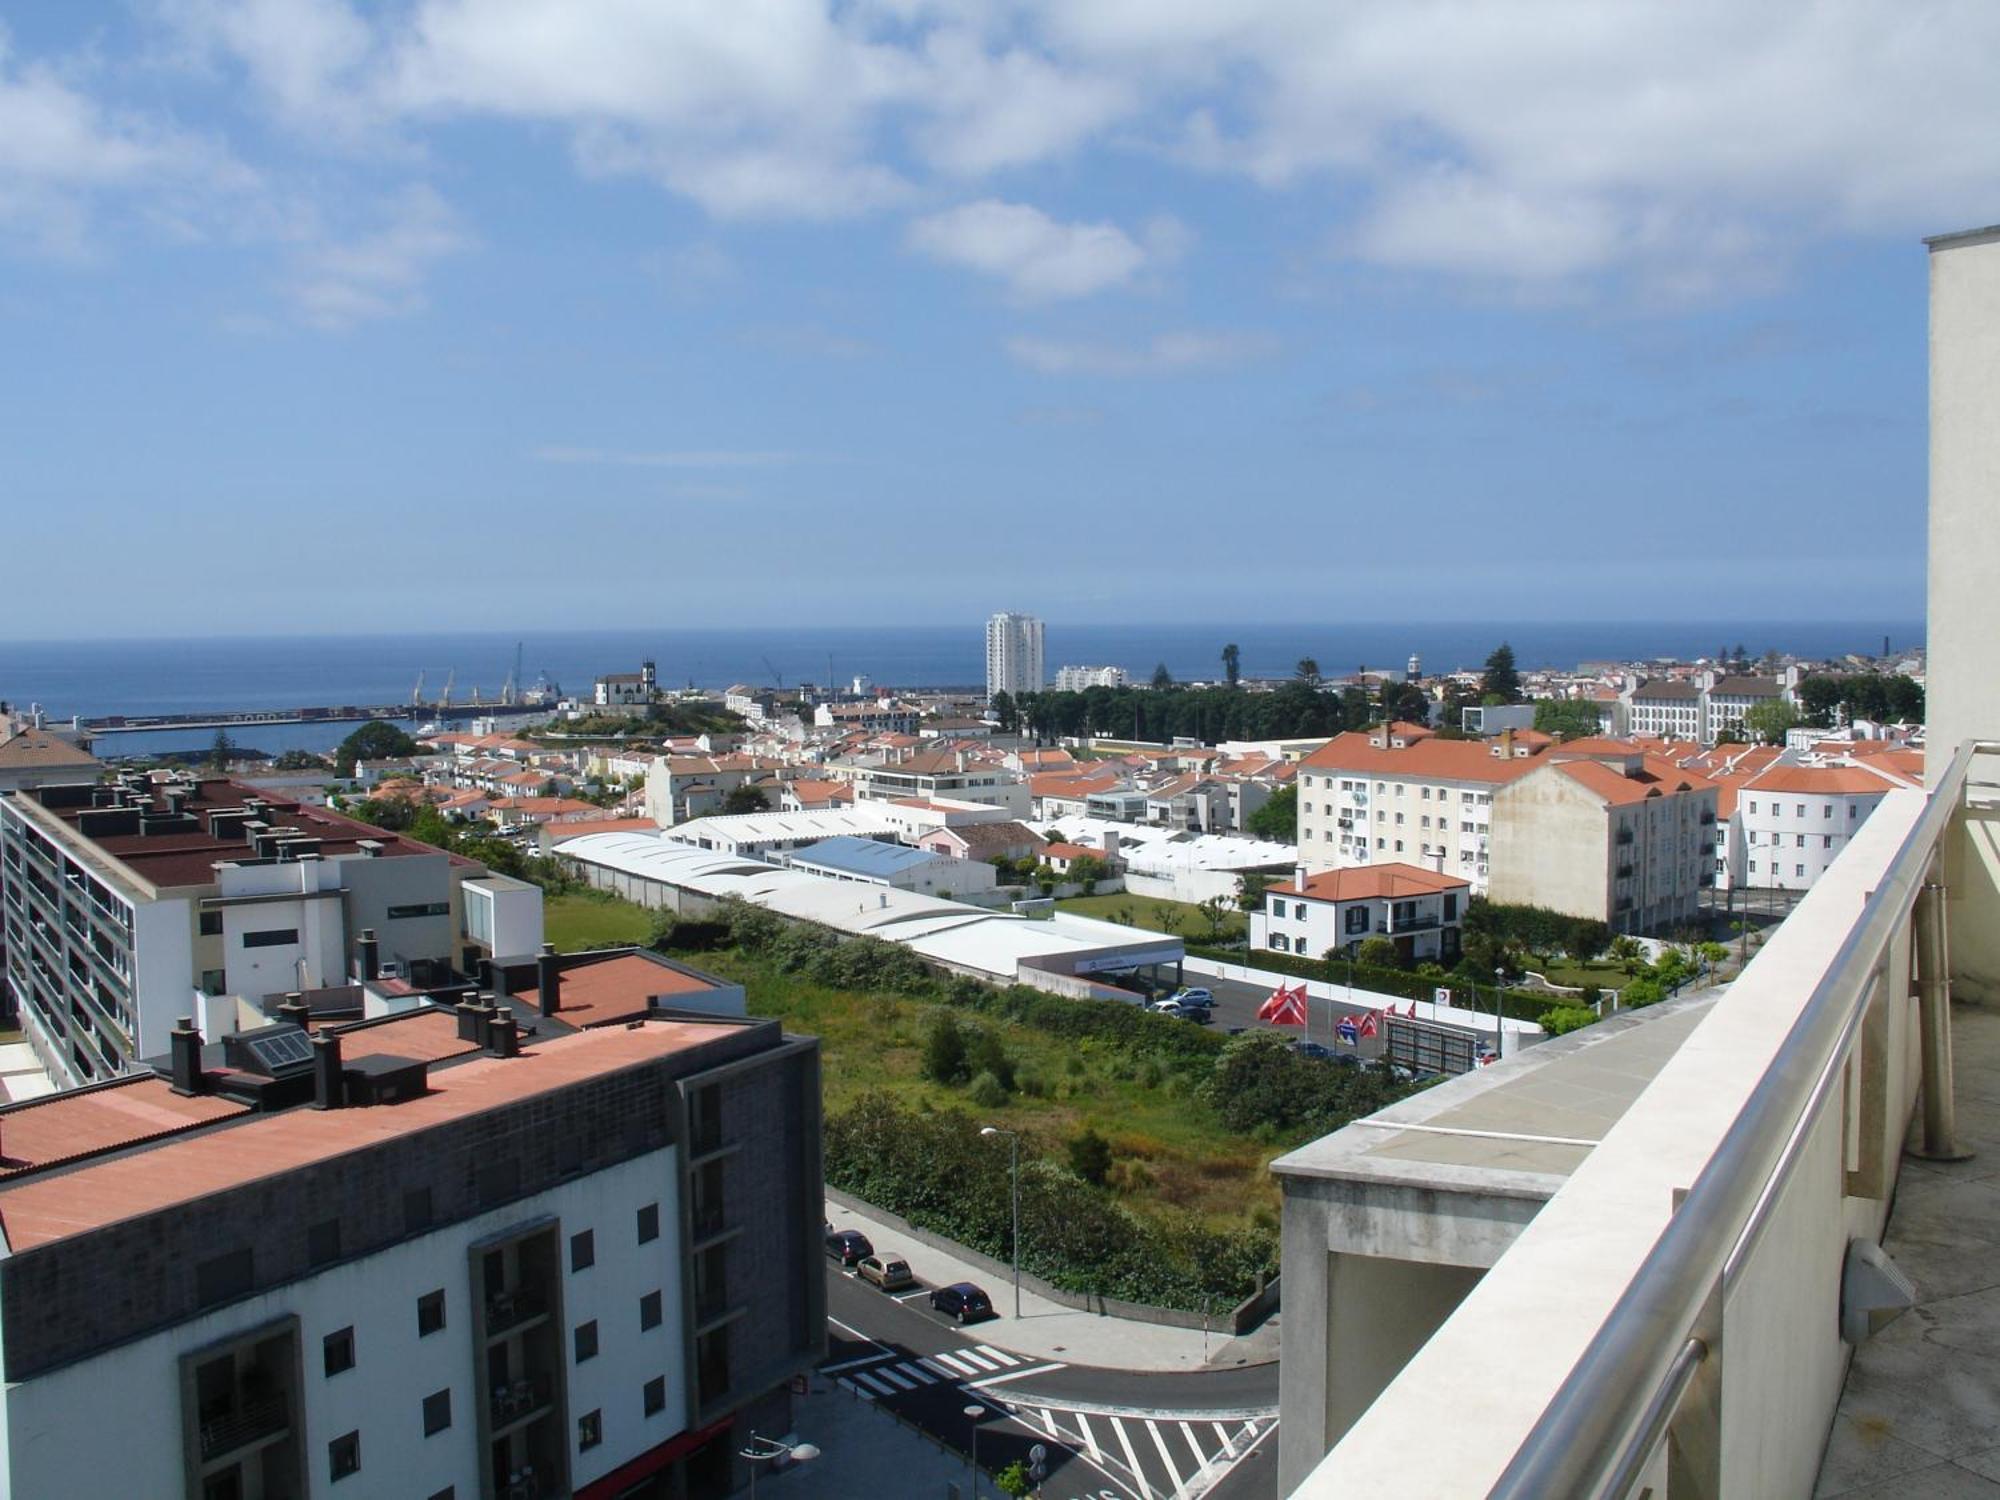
(1154, 848)
(969, 938)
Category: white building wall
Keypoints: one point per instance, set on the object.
(162, 964)
(54, 1428)
(1798, 833)
(1013, 655)
(1444, 827)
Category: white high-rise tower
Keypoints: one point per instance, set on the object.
(1013, 655)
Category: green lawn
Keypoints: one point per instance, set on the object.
(588, 919)
(1604, 974)
(1154, 914)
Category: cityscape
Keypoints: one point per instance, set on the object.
(1026, 752)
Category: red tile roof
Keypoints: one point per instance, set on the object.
(1426, 760)
(619, 989)
(1390, 882)
(83, 1122)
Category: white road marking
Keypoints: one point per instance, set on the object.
(945, 1370)
(895, 1378)
(856, 1333)
(1222, 1433)
(1187, 1431)
(1166, 1457)
(1020, 1374)
(1089, 1438)
(979, 1361)
(869, 1383)
(1125, 1442)
(957, 1367)
(855, 1364)
(1000, 1354)
(915, 1370)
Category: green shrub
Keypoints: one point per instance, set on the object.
(945, 1058)
(1090, 1157)
(1561, 1018)
(1640, 993)
(987, 1091)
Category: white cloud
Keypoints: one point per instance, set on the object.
(1039, 258)
(381, 273)
(1163, 354)
(715, 458)
(306, 57)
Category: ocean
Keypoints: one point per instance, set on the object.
(170, 676)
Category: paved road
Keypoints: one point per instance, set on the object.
(1108, 1434)
(1236, 1005)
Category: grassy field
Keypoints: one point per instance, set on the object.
(588, 919)
(1604, 974)
(1153, 914)
(1171, 1153)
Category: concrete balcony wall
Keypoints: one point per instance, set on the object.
(1453, 1420)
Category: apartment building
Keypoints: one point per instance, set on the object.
(1664, 708)
(1013, 655)
(425, 1255)
(1398, 794)
(949, 775)
(1725, 700)
(1076, 679)
(30, 756)
(1616, 835)
(123, 900)
(1420, 911)
(1791, 821)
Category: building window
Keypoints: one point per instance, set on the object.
(323, 1242)
(336, 1351)
(1280, 943)
(656, 1395)
(421, 909)
(1799, 871)
(589, 1430)
(649, 1311)
(211, 924)
(1277, 908)
(582, 1250)
(343, 1456)
(649, 1223)
(272, 937)
(585, 1341)
(437, 1412)
(212, 981)
(1356, 919)
(430, 1313)
(1826, 841)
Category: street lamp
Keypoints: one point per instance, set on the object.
(1499, 1012)
(1014, 1167)
(763, 1450)
(973, 1413)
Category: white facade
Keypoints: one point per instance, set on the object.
(1076, 679)
(1013, 655)
(1784, 839)
(1425, 924)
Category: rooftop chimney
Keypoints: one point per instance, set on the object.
(472, 1019)
(548, 979)
(502, 1039)
(370, 953)
(186, 1057)
(329, 1088)
(293, 1008)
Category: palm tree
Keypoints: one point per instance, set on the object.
(1308, 671)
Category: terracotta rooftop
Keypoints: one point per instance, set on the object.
(426, 1035)
(41, 1209)
(83, 1122)
(1427, 760)
(38, 749)
(1390, 882)
(1824, 780)
(608, 990)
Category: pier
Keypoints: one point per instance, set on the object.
(234, 718)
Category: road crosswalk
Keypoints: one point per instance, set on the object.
(1132, 1454)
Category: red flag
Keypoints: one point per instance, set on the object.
(1367, 1027)
(1286, 1007)
(1273, 1003)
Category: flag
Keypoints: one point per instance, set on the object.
(1347, 1030)
(1285, 1007)
(1367, 1027)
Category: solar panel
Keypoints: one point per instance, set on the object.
(280, 1049)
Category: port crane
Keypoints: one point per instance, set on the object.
(417, 692)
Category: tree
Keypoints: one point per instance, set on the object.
(1378, 953)
(1232, 663)
(1307, 671)
(1250, 890)
(1090, 1157)
(220, 751)
(1627, 954)
(1005, 712)
(1500, 683)
(1769, 720)
(1567, 718)
(1278, 818)
(1086, 872)
(944, 1051)
(1213, 911)
(1819, 697)
(1162, 678)
(378, 739)
(746, 798)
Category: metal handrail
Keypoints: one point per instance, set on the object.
(1600, 1428)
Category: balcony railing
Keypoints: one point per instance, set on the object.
(518, 1400)
(247, 1424)
(1671, 1321)
(510, 1310)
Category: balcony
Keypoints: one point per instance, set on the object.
(519, 1401)
(513, 1310)
(250, 1424)
(1678, 1313)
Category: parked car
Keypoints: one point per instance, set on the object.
(848, 1246)
(961, 1300)
(1195, 995)
(889, 1272)
(1312, 1049)
(1167, 1007)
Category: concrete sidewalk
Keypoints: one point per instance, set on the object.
(865, 1452)
(1052, 1331)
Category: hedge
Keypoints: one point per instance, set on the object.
(1522, 1005)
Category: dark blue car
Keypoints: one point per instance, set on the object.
(963, 1301)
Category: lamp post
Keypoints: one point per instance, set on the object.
(763, 1450)
(1014, 1170)
(973, 1414)
(1499, 1012)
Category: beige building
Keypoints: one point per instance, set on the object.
(1398, 793)
(1627, 839)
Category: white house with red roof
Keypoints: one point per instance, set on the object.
(1418, 910)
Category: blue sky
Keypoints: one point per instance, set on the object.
(619, 312)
